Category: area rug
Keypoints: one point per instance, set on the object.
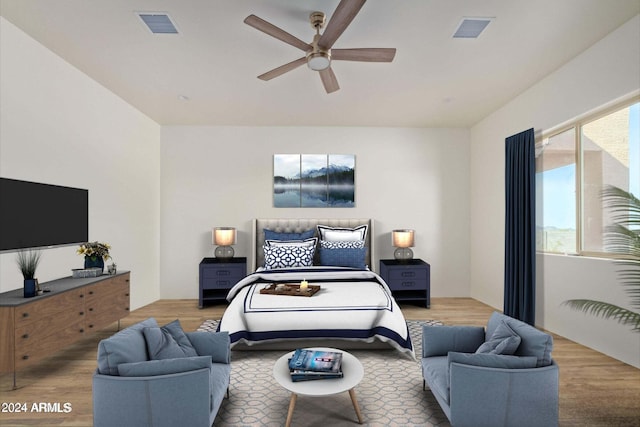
(389, 395)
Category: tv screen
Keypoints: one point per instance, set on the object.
(36, 215)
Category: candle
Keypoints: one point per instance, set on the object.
(304, 285)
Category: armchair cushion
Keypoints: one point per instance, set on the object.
(533, 341)
(214, 344)
(502, 341)
(126, 346)
(440, 340)
(168, 342)
(492, 360)
(164, 366)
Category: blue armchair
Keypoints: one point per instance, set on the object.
(152, 376)
(503, 376)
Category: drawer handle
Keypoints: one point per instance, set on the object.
(90, 326)
(81, 295)
(25, 336)
(25, 314)
(81, 313)
(408, 283)
(25, 357)
(126, 309)
(408, 274)
(127, 280)
(223, 273)
(90, 308)
(81, 330)
(90, 292)
(127, 294)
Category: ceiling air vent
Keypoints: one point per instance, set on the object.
(158, 22)
(470, 28)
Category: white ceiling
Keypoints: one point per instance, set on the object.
(434, 80)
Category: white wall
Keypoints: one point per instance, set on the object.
(405, 178)
(60, 127)
(607, 71)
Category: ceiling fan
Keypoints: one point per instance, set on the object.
(319, 53)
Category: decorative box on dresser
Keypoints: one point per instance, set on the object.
(217, 277)
(409, 280)
(34, 328)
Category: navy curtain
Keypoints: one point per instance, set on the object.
(520, 227)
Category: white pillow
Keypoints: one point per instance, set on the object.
(303, 243)
(339, 234)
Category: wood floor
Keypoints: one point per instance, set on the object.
(595, 390)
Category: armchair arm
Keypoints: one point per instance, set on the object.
(214, 344)
(440, 340)
(159, 401)
(493, 397)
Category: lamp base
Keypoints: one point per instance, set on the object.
(224, 252)
(403, 254)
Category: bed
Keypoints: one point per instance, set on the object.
(354, 307)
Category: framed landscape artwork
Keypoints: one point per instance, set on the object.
(313, 180)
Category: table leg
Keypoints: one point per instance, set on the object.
(292, 404)
(352, 393)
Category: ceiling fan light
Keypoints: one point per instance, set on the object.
(318, 61)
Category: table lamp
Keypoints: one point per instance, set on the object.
(224, 237)
(403, 241)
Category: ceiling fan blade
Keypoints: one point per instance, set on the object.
(278, 33)
(340, 20)
(283, 69)
(329, 80)
(364, 54)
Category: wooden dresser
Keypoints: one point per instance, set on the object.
(34, 328)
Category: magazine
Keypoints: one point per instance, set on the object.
(316, 361)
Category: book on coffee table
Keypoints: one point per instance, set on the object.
(307, 365)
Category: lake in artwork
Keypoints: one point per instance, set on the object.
(313, 180)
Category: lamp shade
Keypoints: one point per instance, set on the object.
(224, 236)
(402, 238)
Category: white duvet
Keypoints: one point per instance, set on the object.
(351, 304)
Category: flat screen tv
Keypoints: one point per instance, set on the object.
(34, 215)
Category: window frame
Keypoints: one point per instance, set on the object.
(577, 124)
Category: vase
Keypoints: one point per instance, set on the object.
(94, 262)
(29, 288)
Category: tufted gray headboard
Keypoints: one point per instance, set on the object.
(297, 225)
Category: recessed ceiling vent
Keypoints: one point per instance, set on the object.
(158, 22)
(470, 28)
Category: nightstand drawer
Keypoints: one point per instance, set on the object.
(407, 284)
(404, 274)
(220, 283)
(225, 273)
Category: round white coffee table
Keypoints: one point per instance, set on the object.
(351, 368)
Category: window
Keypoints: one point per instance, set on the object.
(573, 165)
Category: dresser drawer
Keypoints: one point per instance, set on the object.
(46, 307)
(32, 350)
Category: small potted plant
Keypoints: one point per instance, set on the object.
(95, 254)
(28, 263)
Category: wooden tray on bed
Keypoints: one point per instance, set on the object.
(290, 289)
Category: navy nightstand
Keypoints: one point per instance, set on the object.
(217, 277)
(408, 280)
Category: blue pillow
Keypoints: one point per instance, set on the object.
(502, 341)
(214, 344)
(126, 346)
(164, 367)
(168, 342)
(343, 257)
(274, 235)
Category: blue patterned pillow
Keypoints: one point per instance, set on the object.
(346, 257)
(342, 245)
(288, 256)
(274, 235)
